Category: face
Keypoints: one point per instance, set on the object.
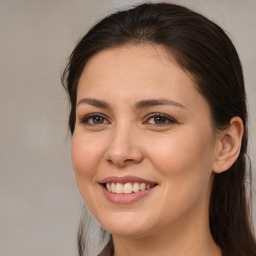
(144, 146)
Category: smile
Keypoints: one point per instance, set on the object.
(127, 188)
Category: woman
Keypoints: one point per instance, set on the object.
(159, 124)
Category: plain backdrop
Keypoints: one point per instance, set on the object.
(39, 202)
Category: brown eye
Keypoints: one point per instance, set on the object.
(97, 120)
(94, 119)
(160, 119)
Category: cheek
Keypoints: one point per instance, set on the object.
(182, 154)
(86, 153)
(184, 163)
(86, 157)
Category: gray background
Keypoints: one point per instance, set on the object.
(39, 201)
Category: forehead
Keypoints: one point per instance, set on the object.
(137, 72)
(119, 57)
(141, 62)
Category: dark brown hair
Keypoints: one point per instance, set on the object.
(204, 50)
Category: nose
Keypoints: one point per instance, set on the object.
(124, 148)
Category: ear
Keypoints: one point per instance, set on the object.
(229, 145)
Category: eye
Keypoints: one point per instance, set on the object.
(93, 119)
(160, 119)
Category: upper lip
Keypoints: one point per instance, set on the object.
(125, 179)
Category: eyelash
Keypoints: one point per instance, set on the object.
(167, 119)
(85, 120)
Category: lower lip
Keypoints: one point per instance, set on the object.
(126, 198)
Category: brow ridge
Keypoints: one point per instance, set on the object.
(138, 105)
(156, 102)
(94, 102)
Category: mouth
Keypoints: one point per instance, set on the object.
(126, 189)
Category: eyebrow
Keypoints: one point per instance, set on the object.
(138, 105)
(156, 102)
(94, 102)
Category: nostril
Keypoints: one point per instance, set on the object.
(122, 163)
(109, 161)
(128, 160)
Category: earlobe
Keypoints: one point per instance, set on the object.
(229, 145)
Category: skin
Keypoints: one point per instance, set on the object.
(181, 156)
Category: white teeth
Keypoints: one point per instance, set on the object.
(113, 187)
(109, 187)
(142, 186)
(119, 188)
(127, 188)
(136, 187)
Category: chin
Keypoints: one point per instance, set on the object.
(127, 224)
